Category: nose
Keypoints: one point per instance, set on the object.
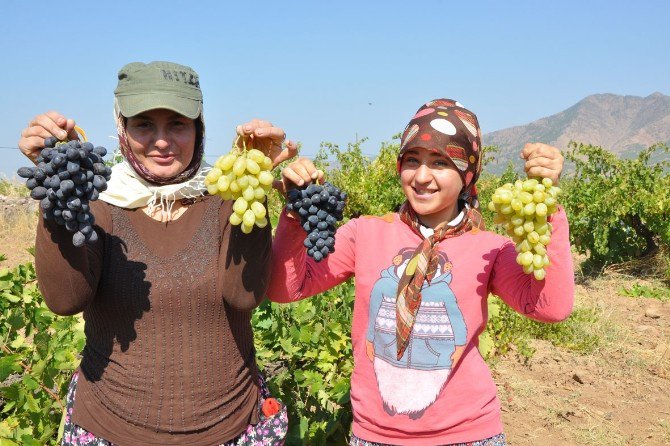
(162, 140)
(423, 174)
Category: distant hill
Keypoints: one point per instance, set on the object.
(621, 124)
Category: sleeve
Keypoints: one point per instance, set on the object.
(244, 262)
(296, 276)
(68, 276)
(548, 300)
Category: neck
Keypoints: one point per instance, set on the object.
(434, 220)
(178, 208)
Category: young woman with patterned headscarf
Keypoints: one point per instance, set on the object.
(423, 276)
(167, 289)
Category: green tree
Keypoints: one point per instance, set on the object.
(619, 209)
(371, 183)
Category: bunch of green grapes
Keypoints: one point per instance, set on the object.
(244, 176)
(522, 208)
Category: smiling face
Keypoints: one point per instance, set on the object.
(162, 140)
(431, 184)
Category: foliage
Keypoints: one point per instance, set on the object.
(619, 209)
(508, 331)
(305, 350)
(372, 184)
(115, 158)
(39, 351)
(650, 292)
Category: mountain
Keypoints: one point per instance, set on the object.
(621, 124)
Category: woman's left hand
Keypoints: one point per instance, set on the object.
(542, 161)
(267, 138)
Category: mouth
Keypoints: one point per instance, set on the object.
(164, 159)
(423, 193)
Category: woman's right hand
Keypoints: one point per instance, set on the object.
(297, 174)
(41, 127)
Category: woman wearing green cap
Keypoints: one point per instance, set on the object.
(168, 288)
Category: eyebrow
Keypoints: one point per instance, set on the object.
(430, 153)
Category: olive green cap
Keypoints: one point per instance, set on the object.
(155, 85)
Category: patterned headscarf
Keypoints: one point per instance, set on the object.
(442, 126)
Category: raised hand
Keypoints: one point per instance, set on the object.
(267, 138)
(41, 127)
(298, 173)
(542, 161)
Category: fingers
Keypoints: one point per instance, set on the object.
(35, 131)
(533, 150)
(543, 172)
(301, 172)
(54, 123)
(298, 174)
(43, 126)
(542, 160)
(261, 129)
(290, 150)
(31, 147)
(69, 128)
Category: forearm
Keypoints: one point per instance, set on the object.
(67, 276)
(548, 300)
(244, 266)
(296, 276)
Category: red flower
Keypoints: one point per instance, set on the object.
(270, 407)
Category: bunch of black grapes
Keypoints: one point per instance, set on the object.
(320, 207)
(68, 175)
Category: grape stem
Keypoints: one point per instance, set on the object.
(81, 132)
(237, 147)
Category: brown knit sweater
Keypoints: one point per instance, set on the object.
(169, 355)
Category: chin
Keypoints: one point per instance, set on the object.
(424, 209)
(166, 171)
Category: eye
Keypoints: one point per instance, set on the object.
(410, 160)
(180, 124)
(139, 124)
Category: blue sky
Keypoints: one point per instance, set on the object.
(328, 71)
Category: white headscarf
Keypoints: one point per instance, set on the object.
(127, 190)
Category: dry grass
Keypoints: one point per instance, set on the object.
(17, 232)
(654, 265)
(18, 219)
(599, 433)
(13, 189)
(662, 429)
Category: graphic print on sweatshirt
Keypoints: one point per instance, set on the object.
(410, 385)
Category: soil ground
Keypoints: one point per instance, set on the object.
(616, 395)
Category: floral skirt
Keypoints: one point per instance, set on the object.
(496, 440)
(270, 431)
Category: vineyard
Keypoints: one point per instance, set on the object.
(600, 377)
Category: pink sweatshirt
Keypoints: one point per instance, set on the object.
(421, 399)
